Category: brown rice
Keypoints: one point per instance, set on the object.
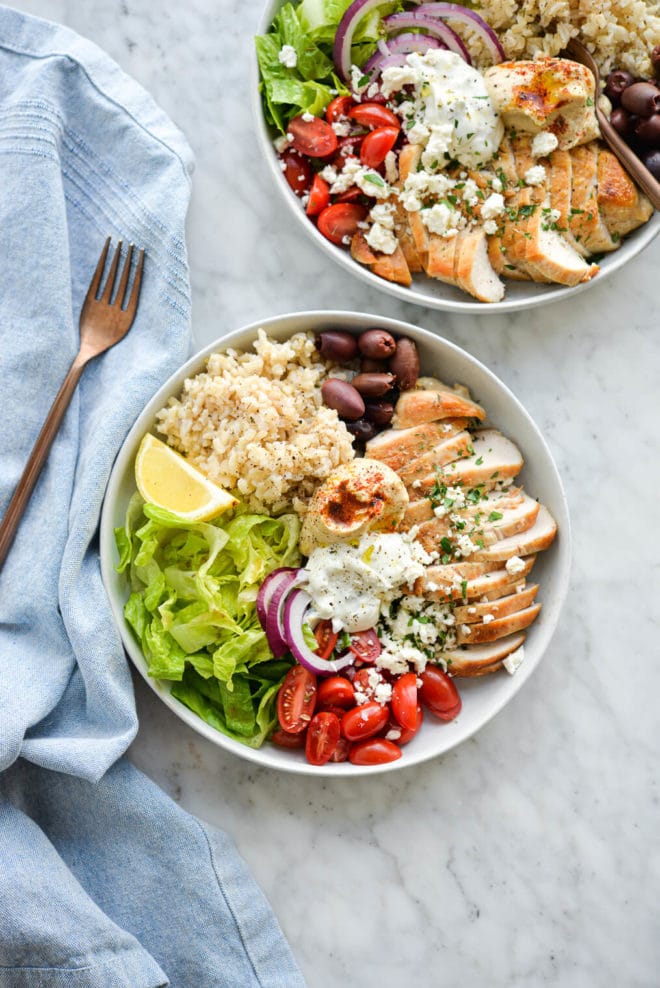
(620, 33)
(255, 423)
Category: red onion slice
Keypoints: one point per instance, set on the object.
(396, 50)
(266, 591)
(341, 52)
(296, 606)
(274, 627)
(429, 24)
(473, 20)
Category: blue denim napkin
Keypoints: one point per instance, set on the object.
(104, 881)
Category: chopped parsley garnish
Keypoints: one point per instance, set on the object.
(375, 180)
(495, 516)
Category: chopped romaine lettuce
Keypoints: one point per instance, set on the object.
(192, 609)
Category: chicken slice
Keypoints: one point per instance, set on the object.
(495, 459)
(622, 206)
(441, 454)
(473, 271)
(418, 406)
(445, 583)
(475, 634)
(441, 257)
(472, 613)
(397, 447)
(422, 510)
(486, 523)
(585, 222)
(479, 660)
(505, 168)
(391, 267)
(534, 539)
(561, 181)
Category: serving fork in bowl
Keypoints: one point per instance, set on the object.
(105, 319)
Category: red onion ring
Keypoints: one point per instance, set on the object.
(341, 52)
(396, 50)
(273, 598)
(432, 25)
(296, 606)
(471, 18)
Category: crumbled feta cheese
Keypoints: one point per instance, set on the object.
(357, 81)
(513, 661)
(381, 239)
(280, 143)
(466, 629)
(490, 227)
(383, 213)
(439, 511)
(535, 175)
(287, 56)
(329, 174)
(443, 220)
(341, 127)
(465, 545)
(418, 133)
(496, 184)
(487, 618)
(307, 117)
(493, 206)
(470, 190)
(472, 610)
(289, 137)
(544, 144)
(514, 565)
(391, 169)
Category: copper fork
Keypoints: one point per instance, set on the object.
(103, 322)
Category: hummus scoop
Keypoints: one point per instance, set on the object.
(359, 497)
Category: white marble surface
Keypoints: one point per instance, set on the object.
(530, 855)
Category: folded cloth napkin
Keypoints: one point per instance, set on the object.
(104, 881)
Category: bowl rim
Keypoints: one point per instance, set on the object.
(144, 423)
(633, 245)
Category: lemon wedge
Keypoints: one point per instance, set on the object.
(166, 479)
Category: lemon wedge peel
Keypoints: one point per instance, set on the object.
(166, 479)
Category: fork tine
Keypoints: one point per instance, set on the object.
(109, 285)
(98, 274)
(121, 291)
(135, 290)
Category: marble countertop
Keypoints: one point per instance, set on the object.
(529, 855)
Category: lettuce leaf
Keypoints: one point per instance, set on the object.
(192, 608)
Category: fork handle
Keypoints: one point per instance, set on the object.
(38, 457)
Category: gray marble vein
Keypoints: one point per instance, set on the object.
(530, 855)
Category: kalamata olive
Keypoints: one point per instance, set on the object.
(622, 121)
(648, 130)
(361, 430)
(642, 98)
(655, 59)
(405, 364)
(342, 396)
(370, 366)
(337, 345)
(617, 81)
(373, 385)
(377, 344)
(652, 161)
(379, 412)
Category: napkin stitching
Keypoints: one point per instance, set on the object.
(218, 879)
(30, 52)
(134, 210)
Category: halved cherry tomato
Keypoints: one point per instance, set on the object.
(297, 171)
(296, 699)
(322, 738)
(338, 107)
(335, 691)
(285, 740)
(404, 700)
(361, 680)
(326, 638)
(401, 735)
(314, 137)
(377, 145)
(365, 645)
(374, 115)
(439, 693)
(364, 721)
(375, 751)
(351, 195)
(319, 196)
(341, 220)
(340, 754)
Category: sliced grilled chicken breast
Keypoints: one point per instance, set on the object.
(586, 223)
(444, 583)
(560, 167)
(397, 447)
(473, 271)
(478, 660)
(622, 206)
(534, 539)
(473, 613)
(441, 454)
(419, 406)
(487, 522)
(476, 634)
(495, 459)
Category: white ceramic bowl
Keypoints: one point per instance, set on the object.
(482, 698)
(428, 291)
